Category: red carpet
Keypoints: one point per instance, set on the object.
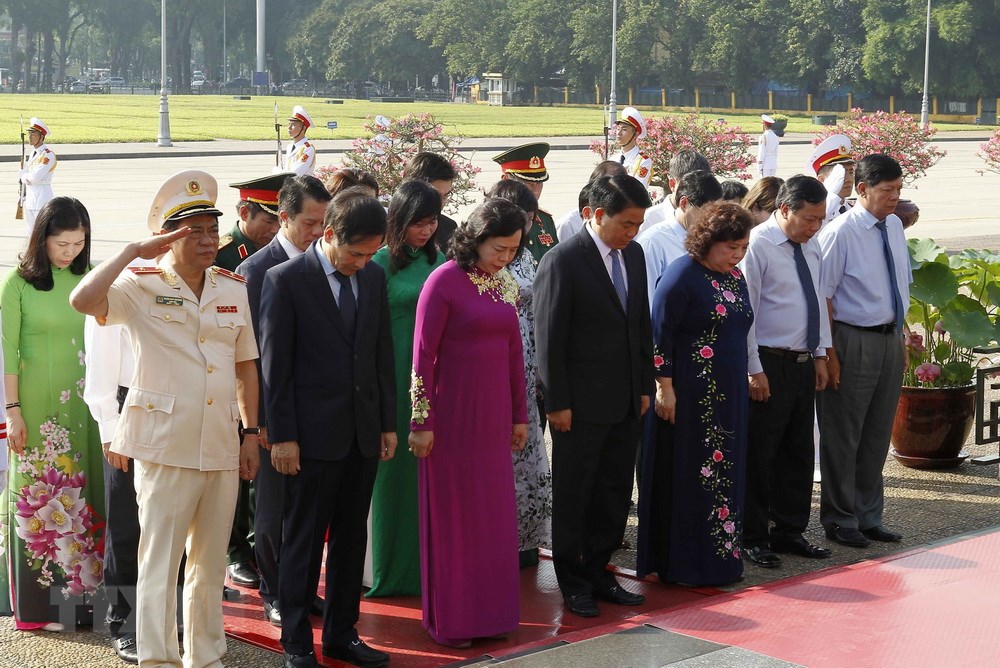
(936, 606)
(393, 624)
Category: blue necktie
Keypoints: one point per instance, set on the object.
(897, 301)
(618, 279)
(348, 305)
(812, 304)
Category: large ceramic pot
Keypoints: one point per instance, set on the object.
(931, 426)
(908, 212)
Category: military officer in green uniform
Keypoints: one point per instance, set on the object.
(527, 164)
(258, 223)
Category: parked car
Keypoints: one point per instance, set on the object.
(295, 85)
(238, 83)
(116, 82)
(99, 86)
(77, 87)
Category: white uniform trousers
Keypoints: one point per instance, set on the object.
(182, 508)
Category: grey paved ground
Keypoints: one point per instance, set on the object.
(958, 208)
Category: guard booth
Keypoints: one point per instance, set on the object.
(499, 89)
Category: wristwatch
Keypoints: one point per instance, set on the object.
(252, 430)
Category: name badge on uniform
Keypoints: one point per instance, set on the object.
(226, 309)
(170, 301)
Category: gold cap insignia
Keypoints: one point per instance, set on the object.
(535, 162)
(843, 150)
(193, 188)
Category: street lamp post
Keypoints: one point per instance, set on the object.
(927, 60)
(612, 98)
(163, 137)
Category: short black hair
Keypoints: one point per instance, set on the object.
(254, 208)
(414, 200)
(800, 190)
(354, 215)
(583, 199)
(616, 193)
(493, 218)
(295, 190)
(685, 162)
(700, 187)
(607, 168)
(733, 189)
(428, 166)
(517, 192)
(875, 168)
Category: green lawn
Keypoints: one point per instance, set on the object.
(83, 119)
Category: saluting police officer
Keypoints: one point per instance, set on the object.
(527, 163)
(194, 379)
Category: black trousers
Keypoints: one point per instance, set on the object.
(121, 547)
(324, 495)
(592, 468)
(780, 452)
(270, 504)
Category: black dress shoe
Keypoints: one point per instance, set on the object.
(230, 594)
(300, 660)
(800, 546)
(847, 536)
(126, 648)
(272, 613)
(356, 653)
(882, 535)
(583, 605)
(316, 609)
(763, 556)
(619, 595)
(243, 574)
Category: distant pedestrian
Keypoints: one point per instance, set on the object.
(36, 176)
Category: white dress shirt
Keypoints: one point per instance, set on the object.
(660, 212)
(662, 245)
(569, 225)
(855, 275)
(290, 249)
(776, 295)
(605, 251)
(328, 268)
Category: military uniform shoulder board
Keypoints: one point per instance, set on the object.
(146, 270)
(644, 156)
(225, 240)
(306, 144)
(229, 274)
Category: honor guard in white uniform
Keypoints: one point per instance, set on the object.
(37, 173)
(632, 128)
(194, 379)
(300, 156)
(839, 181)
(767, 148)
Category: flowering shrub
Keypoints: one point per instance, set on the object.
(990, 152)
(952, 311)
(391, 142)
(896, 135)
(725, 146)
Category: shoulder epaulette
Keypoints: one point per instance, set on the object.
(225, 240)
(644, 156)
(146, 270)
(229, 274)
(306, 144)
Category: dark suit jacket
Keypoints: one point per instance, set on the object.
(593, 357)
(445, 231)
(253, 269)
(321, 390)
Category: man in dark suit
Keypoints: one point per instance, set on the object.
(437, 171)
(301, 209)
(595, 361)
(329, 386)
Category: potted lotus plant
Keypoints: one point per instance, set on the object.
(952, 312)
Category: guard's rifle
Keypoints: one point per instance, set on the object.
(19, 214)
(277, 132)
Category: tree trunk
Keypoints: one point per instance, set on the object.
(48, 50)
(29, 56)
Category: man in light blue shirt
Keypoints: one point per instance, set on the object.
(866, 278)
(664, 243)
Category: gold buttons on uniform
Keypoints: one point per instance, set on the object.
(202, 309)
(149, 406)
(211, 401)
(211, 368)
(202, 339)
(166, 317)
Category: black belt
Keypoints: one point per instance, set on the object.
(799, 356)
(888, 328)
